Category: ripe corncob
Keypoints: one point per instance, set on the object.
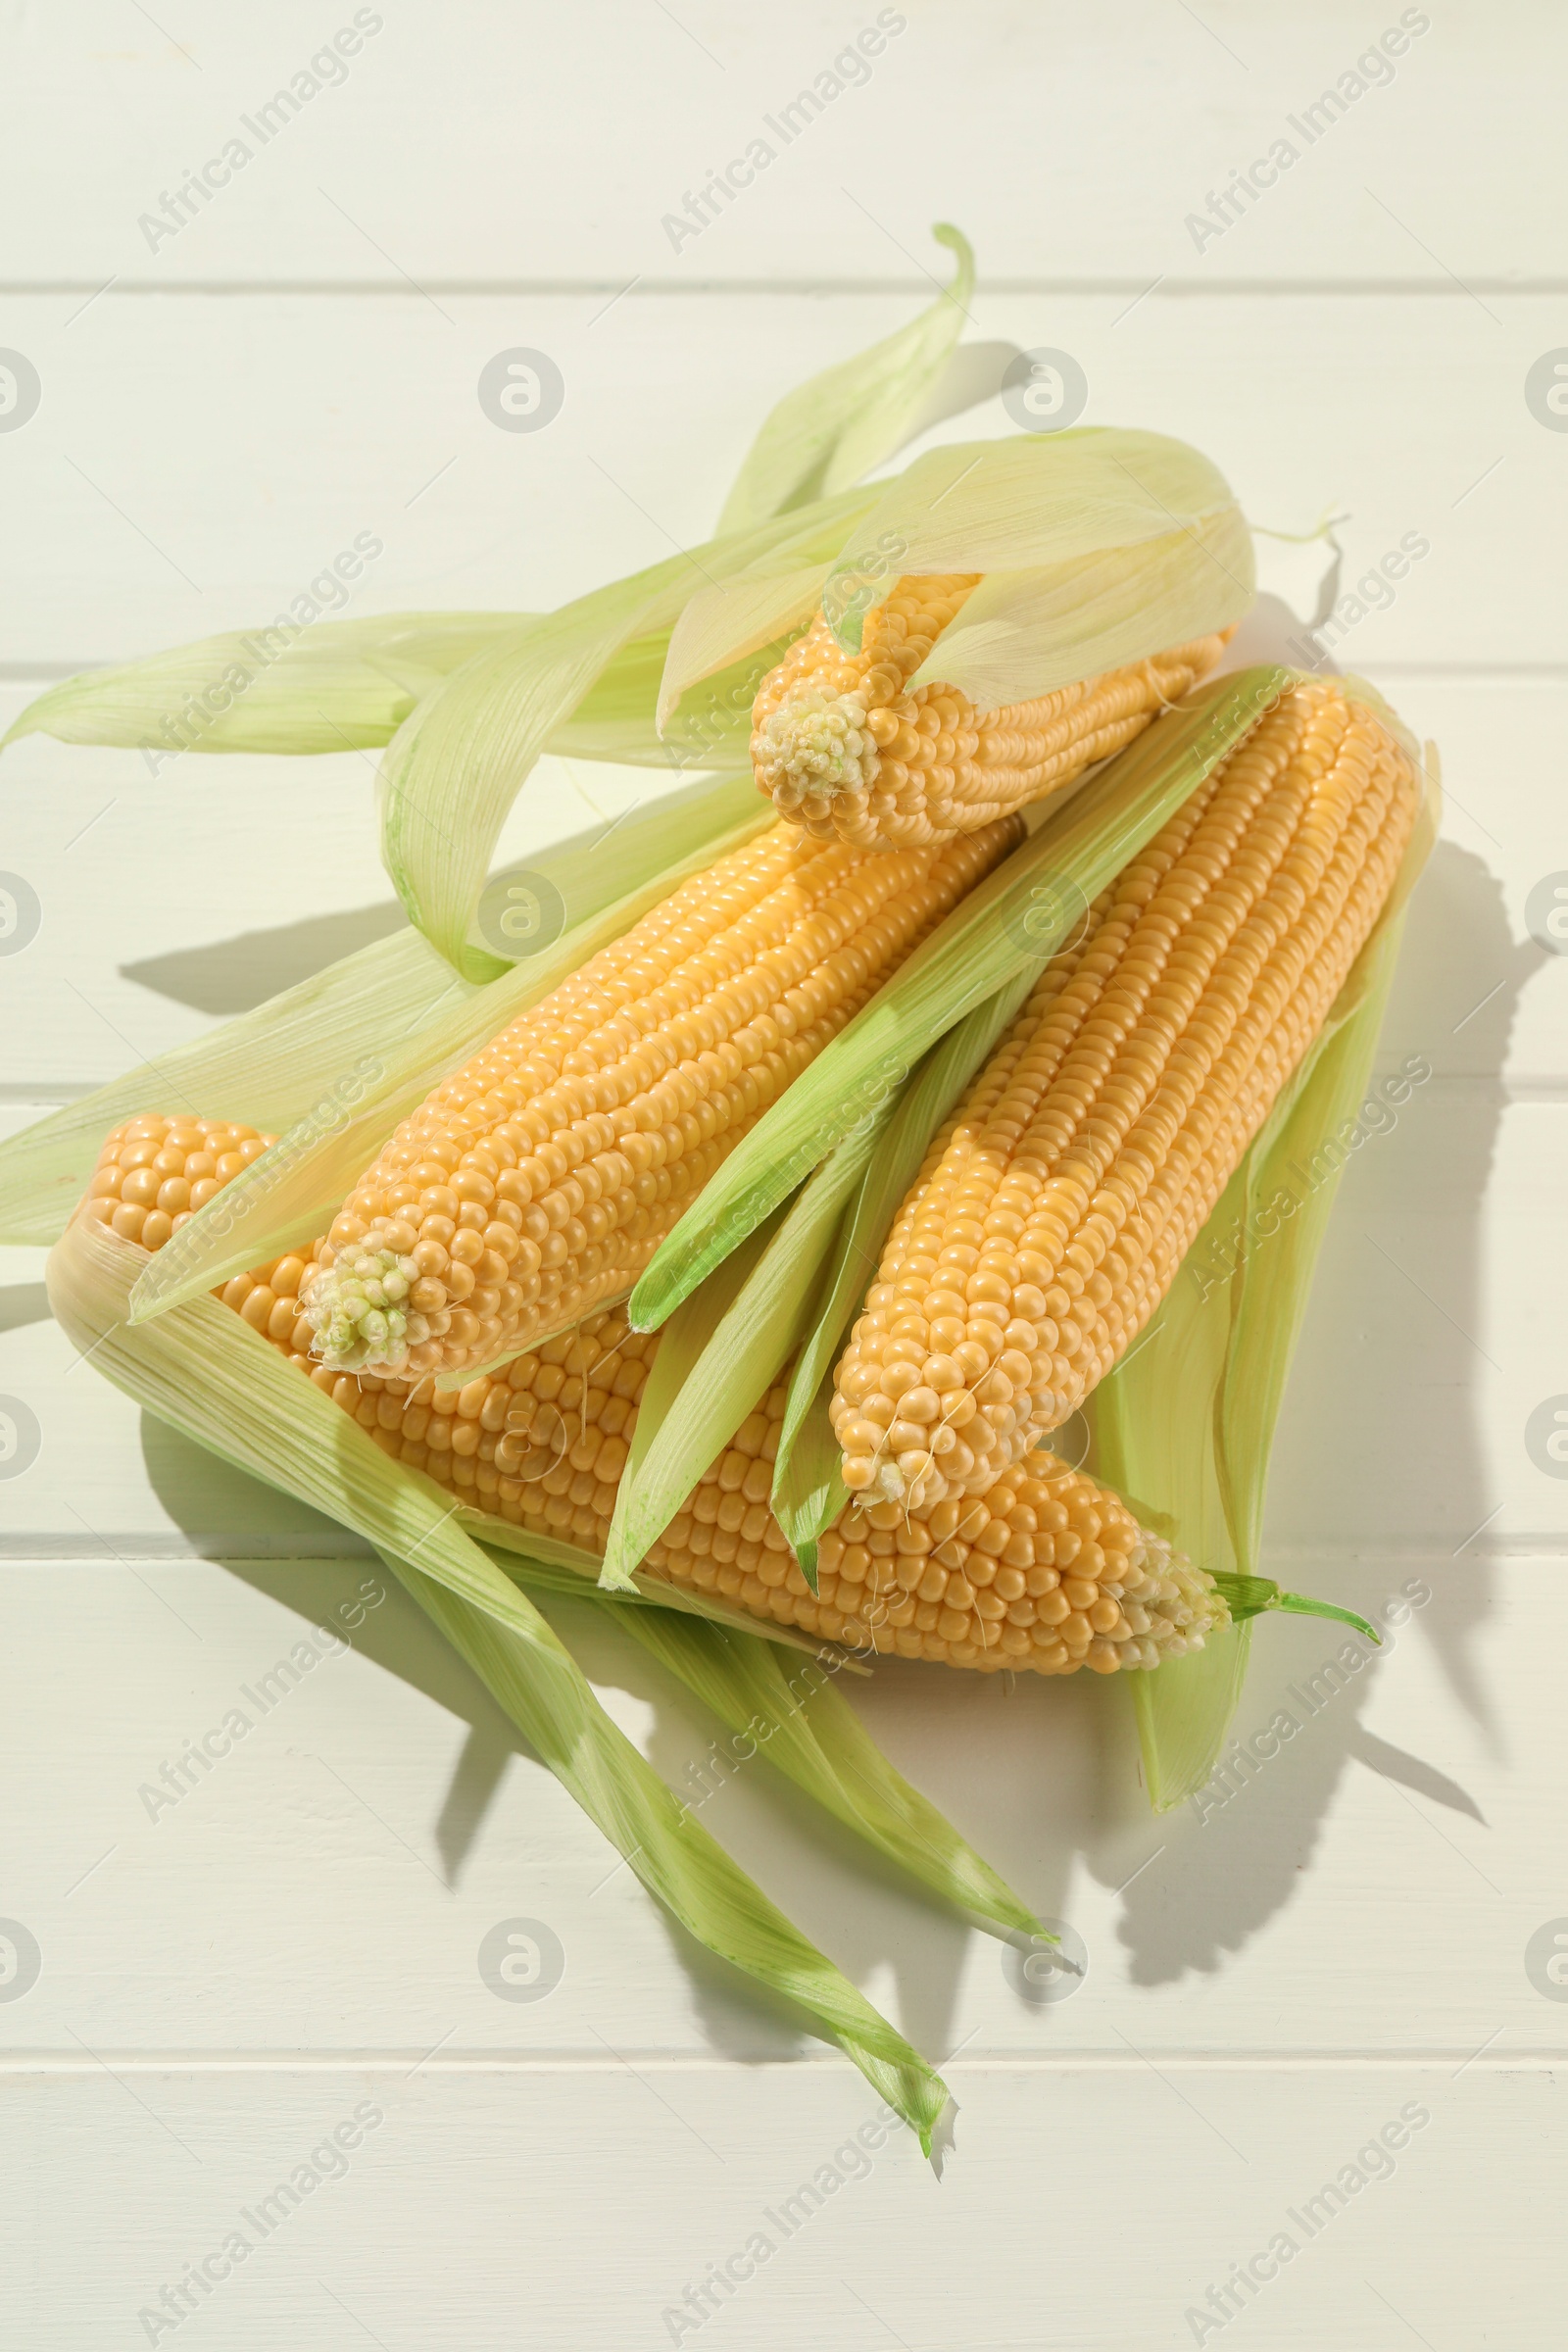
(847, 754)
(536, 1183)
(1049, 1573)
(154, 1173)
(1052, 1211)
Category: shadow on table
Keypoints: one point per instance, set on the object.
(234, 975)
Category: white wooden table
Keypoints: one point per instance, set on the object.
(1362, 1931)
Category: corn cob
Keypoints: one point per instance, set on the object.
(1049, 1573)
(847, 752)
(1051, 1212)
(536, 1183)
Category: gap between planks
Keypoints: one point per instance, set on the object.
(408, 2062)
(1167, 289)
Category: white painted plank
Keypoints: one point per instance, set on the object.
(328, 1884)
(245, 444)
(520, 142)
(1081, 2208)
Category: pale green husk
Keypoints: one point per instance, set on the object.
(839, 426)
(793, 1713)
(1107, 545)
(726, 1346)
(1184, 1425)
(289, 686)
(807, 1491)
(202, 1370)
(550, 1701)
(1009, 924)
(681, 1349)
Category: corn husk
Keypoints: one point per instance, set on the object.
(668, 1848)
(1184, 1425)
(840, 425)
(1106, 546)
(795, 1712)
(807, 1491)
(329, 686)
(206, 1373)
(726, 1346)
(1007, 926)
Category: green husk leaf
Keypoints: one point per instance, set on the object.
(681, 1349)
(281, 1199)
(840, 425)
(1025, 633)
(457, 762)
(350, 685)
(799, 1720)
(332, 686)
(1109, 545)
(1034, 501)
(1184, 1425)
(1010, 924)
(1255, 1596)
(808, 1492)
(727, 1344)
(208, 1374)
(547, 1698)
